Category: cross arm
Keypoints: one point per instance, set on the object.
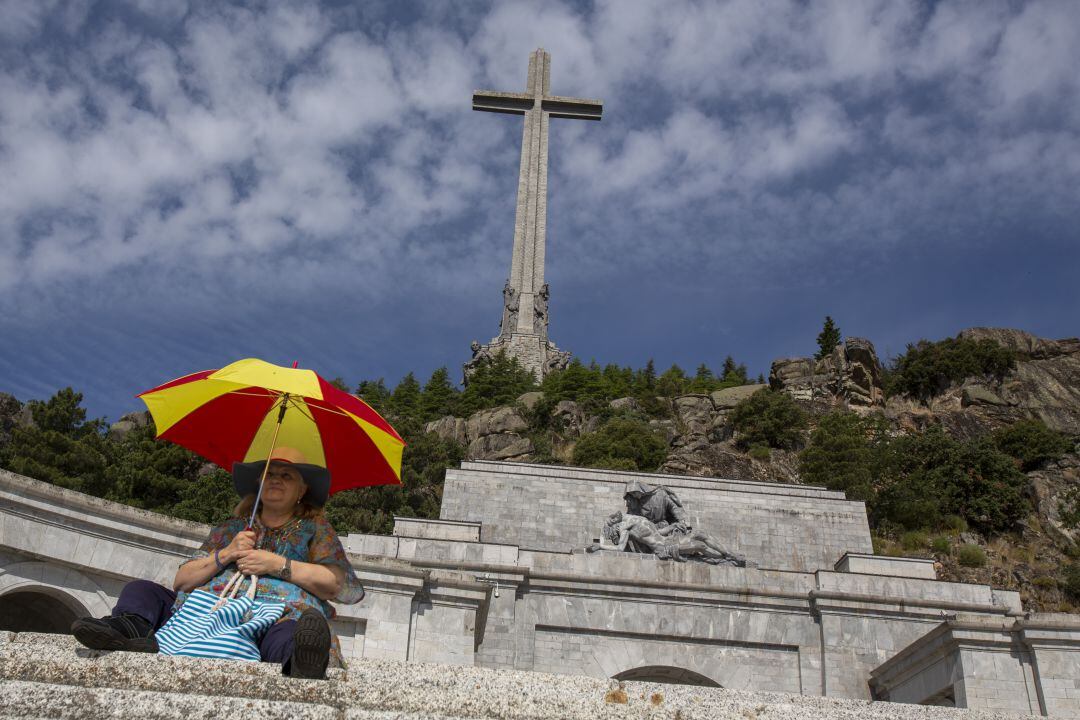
(574, 108)
(502, 102)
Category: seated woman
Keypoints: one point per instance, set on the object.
(292, 548)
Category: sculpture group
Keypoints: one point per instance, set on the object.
(655, 523)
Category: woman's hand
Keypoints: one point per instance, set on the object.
(259, 562)
(242, 542)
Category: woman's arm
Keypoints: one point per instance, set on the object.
(322, 581)
(196, 572)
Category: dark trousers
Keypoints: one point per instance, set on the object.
(153, 603)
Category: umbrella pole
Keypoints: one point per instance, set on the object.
(269, 454)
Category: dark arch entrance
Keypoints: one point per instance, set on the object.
(35, 611)
(667, 674)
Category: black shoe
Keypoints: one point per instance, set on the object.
(126, 632)
(311, 646)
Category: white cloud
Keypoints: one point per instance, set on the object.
(247, 138)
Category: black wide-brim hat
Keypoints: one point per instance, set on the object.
(246, 478)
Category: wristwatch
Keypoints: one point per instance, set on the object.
(285, 573)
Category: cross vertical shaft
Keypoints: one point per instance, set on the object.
(525, 310)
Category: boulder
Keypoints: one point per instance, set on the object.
(570, 417)
(449, 428)
(494, 421)
(500, 446)
(530, 399)
(861, 371)
(131, 421)
(980, 395)
(728, 398)
(627, 404)
(694, 413)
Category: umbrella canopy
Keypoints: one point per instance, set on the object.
(232, 415)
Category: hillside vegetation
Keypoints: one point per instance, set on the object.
(962, 483)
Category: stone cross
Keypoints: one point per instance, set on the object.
(525, 292)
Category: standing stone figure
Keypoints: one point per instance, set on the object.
(667, 543)
(540, 311)
(510, 310)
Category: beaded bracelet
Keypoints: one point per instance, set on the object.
(218, 559)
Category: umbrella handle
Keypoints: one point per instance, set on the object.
(269, 454)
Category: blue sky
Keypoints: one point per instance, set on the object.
(184, 184)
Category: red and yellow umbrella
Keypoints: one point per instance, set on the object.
(241, 412)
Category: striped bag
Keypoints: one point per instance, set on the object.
(225, 626)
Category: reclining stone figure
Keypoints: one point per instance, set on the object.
(667, 543)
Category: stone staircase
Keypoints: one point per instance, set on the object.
(50, 676)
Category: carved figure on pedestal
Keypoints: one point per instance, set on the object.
(480, 355)
(511, 302)
(667, 543)
(540, 311)
(556, 359)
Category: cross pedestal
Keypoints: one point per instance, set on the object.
(523, 331)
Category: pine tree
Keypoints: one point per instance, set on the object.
(405, 400)
(439, 397)
(648, 375)
(828, 339)
(375, 394)
(673, 382)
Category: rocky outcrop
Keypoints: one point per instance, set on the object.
(1045, 383)
(494, 434)
(493, 422)
(851, 375)
(501, 446)
(1049, 485)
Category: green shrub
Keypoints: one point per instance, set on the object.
(954, 524)
(929, 368)
(845, 453)
(971, 556)
(941, 545)
(914, 540)
(1070, 579)
(1032, 443)
(622, 444)
(760, 452)
(1045, 582)
(930, 475)
(768, 418)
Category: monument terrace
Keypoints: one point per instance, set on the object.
(505, 579)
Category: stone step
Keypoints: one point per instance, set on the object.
(50, 676)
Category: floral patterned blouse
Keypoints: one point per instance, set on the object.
(306, 540)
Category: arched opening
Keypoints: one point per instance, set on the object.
(35, 611)
(667, 674)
